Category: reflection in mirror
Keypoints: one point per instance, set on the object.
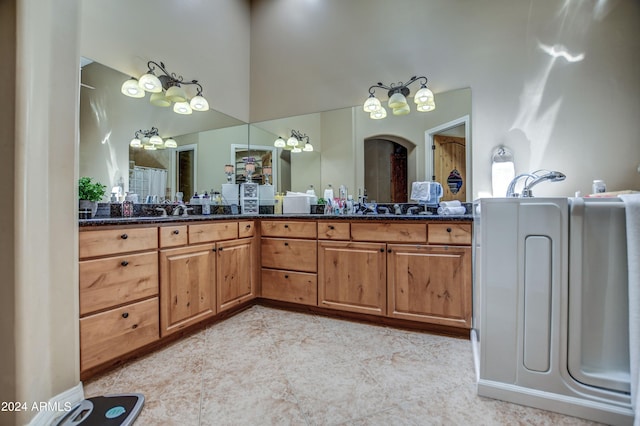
(109, 120)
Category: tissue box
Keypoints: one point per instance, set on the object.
(296, 205)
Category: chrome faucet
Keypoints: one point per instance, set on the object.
(176, 209)
(551, 176)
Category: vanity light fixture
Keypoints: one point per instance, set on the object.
(166, 89)
(294, 143)
(398, 99)
(151, 140)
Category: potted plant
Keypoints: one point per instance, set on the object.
(89, 193)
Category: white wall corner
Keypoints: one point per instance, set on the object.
(57, 406)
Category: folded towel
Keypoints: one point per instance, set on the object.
(452, 210)
(632, 213)
(420, 191)
(452, 203)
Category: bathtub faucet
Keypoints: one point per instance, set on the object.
(537, 176)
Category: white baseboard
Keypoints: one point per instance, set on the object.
(58, 406)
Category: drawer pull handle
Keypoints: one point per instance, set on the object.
(125, 315)
(286, 276)
(286, 226)
(124, 236)
(220, 249)
(286, 244)
(176, 231)
(213, 249)
(248, 226)
(124, 263)
(381, 250)
(332, 227)
(388, 250)
(448, 229)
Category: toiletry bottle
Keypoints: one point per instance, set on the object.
(195, 199)
(206, 204)
(311, 191)
(328, 193)
(350, 204)
(599, 186)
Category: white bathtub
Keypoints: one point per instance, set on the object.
(550, 310)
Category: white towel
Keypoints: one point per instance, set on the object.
(452, 203)
(420, 191)
(632, 213)
(452, 210)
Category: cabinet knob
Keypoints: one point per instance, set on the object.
(388, 250)
(124, 236)
(213, 249)
(286, 244)
(125, 315)
(448, 229)
(220, 248)
(124, 263)
(286, 276)
(286, 226)
(381, 250)
(176, 231)
(248, 227)
(332, 227)
(134, 326)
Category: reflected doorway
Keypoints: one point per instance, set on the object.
(385, 167)
(186, 171)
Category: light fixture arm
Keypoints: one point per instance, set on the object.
(171, 79)
(147, 133)
(299, 135)
(400, 87)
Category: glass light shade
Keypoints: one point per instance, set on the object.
(307, 147)
(176, 94)
(182, 108)
(404, 110)
(250, 167)
(150, 83)
(130, 88)
(135, 143)
(296, 149)
(426, 107)
(228, 169)
(423, 95)
(397, 100)
(379, 114)
(199, 103)
(287, 148)
(158, 99)
(372, 104)
(170, 143)
(160, 147)
(150, 147)
(155, 140)
(292, 141)
(266, 171)
(279, 143)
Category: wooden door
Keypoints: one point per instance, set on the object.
(399, 176)
(448, 158)
(352, 276)
(234, 279)
(430, 284)
(187, 286)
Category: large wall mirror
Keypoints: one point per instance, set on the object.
(381, 156)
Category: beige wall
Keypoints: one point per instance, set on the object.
(45, 202)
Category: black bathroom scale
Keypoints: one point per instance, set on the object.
(108, 410)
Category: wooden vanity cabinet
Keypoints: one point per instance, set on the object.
(432, 283)
(235, 269)
(289, 261)
(118, 278)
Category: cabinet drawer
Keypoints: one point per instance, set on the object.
(295, 255)
(108, 335)
(173, 235)
(389, 232)
(246, 229)
(207, 232)
(450, 233)
(115, 241)
(296, 287)
(334, 231)
(289, 229)
(117, 280)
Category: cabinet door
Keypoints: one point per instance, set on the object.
(430, 284)
(234, 280)
(352, 277)
(187, 286)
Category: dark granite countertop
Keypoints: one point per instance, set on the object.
(158, 220)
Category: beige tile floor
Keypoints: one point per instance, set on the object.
(272, 367)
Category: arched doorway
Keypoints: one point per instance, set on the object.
(385, 168)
